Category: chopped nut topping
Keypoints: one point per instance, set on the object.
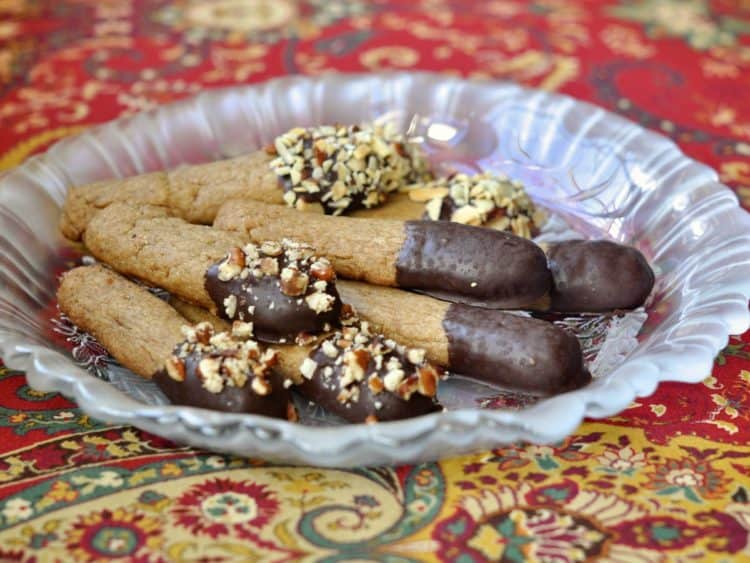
(482, 199)
(357, 358)
(300, 272)
(345, 167)
(223, 359)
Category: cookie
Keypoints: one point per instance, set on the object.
(330, 169)
(282, 287)
(453, 261)
(490, 346)
(194, 193)
(486, 199)
(196, 366)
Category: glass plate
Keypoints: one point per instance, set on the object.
(606, 176)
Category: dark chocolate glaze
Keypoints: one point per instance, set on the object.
(276, 316)
(325, 391)
(513, 351)
(444, 259)
(597, 275)
(392, 407)
(190, 392)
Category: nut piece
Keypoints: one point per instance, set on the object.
(175, 368)
(308, 367)
(427, 379)
(293, 282)
(375, 384)
(237, 257)
(269, 266)
(260, 386)
(203, 333)
(242, 329)
(322, 270)
(320, 302)
(230, 306)
(415, 355)
(271, 248)
(425, 194)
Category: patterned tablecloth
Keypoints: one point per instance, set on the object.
(668, 479)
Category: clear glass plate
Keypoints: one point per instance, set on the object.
(606, 176)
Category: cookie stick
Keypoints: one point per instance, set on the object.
(356, 374)
(491, 346)
(149, 337)
(326, 169)
(453, 261)
(192, 192)
(283, 288)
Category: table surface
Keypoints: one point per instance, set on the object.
(667, 478)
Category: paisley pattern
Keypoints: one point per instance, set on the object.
(667, 479)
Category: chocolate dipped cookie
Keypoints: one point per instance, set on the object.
(490, 346)
(281, 286)
(456, 262)
(193, 365)
(486, 199)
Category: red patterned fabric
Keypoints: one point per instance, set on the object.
(664, 480)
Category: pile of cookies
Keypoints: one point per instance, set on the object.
(333, 263)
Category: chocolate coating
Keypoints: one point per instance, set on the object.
(472, 265)
(276, 316)
(513, 351)
(392, 407)
(597, 275)
(191, 392)
(325, 391)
